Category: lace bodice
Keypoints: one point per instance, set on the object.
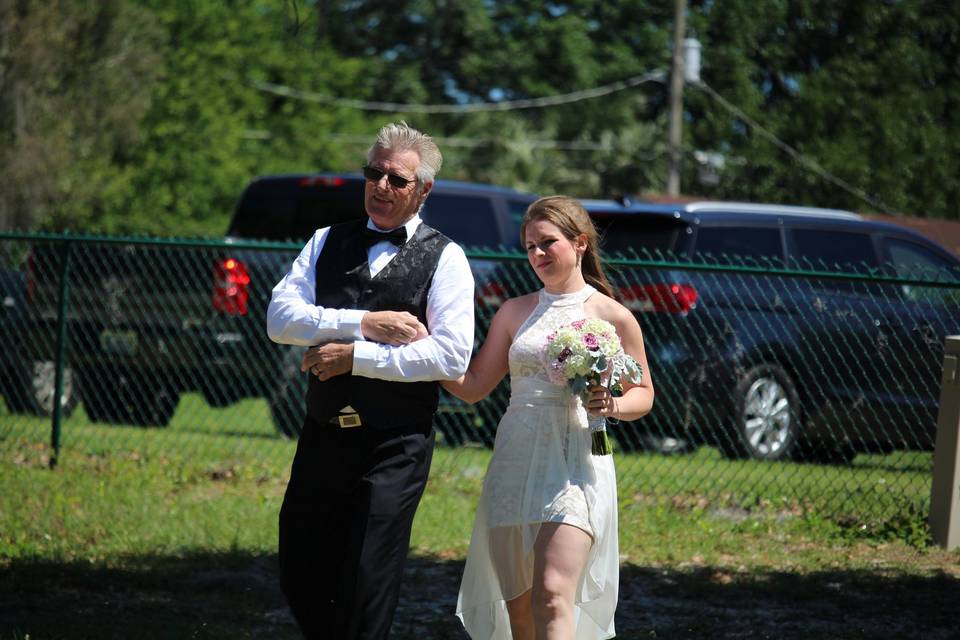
(529, 346)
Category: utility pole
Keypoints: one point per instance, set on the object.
(676, 98)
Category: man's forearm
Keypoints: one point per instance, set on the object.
(436, 357)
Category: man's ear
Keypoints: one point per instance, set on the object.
(427, 186)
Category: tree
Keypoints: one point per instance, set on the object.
(867, 90)
(463, 53)
(74, 84)
(210, 129)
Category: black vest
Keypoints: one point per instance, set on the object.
(344, 282)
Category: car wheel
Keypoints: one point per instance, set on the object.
(38, 389)
(766, 416)
(157, 408)
(125, 401)
(287, 409)
(286, 402)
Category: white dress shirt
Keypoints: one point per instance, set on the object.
(293, 316)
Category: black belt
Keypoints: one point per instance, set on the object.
(346, 420)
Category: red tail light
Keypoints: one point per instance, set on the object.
(664, 298)
(322, 181)
(231, 287)
(491, 294)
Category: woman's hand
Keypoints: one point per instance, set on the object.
(601, 402)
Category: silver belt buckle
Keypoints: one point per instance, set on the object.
(349, 420)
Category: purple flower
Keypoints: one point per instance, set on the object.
(563, 355)
(591, 342)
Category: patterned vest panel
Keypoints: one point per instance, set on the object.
(344, 282)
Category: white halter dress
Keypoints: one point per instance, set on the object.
(541, 471)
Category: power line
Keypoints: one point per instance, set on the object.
(505, 105)
(566, 98)
(812, 165)
(459, 141)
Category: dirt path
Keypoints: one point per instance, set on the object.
(704, 603)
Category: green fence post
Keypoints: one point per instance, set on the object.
(62, 337)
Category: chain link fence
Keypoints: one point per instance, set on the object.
(793, 389)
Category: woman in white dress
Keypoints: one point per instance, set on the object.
(543, 560)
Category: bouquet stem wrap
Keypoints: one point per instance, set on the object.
(599, 440)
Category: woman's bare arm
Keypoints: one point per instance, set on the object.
(490, 363)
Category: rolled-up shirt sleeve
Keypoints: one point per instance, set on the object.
(445, 353)
(293, 316)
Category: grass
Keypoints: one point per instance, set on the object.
(171, 533)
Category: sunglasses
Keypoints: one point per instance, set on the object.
(374, 175)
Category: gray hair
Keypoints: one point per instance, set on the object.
(399, 136)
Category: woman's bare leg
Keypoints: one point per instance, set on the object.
(560, 555)
(521, 617)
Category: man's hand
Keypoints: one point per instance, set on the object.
(392, 327)
(328, 360)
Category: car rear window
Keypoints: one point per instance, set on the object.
(640, 235)
(291, 210)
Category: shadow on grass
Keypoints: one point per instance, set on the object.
(710, 602)
(236, 596)
(194, 596)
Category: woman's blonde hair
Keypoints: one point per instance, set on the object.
(572, 219)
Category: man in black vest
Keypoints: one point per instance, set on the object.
(386, 307)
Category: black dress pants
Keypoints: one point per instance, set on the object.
(345, 526)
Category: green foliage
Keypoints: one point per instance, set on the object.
(143, 116)
(860, 88)
(474, 52)
(210, 130)
(76, 79)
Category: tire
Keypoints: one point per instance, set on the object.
(156, 409)
(36, 389)
(287, 402)
(766, 419)
(128, 402)
(287, 408)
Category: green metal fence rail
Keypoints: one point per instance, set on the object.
(796, 388)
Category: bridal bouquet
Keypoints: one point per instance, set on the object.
(585, 353)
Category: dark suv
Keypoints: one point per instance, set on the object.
(764, 361)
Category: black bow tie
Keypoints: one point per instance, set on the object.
(398, 236)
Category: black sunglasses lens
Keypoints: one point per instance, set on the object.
(374, 175)
(371, 174)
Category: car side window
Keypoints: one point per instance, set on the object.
(914, 261)
(467, 220)
(837, 251)
(639, 236)
(739, 246)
